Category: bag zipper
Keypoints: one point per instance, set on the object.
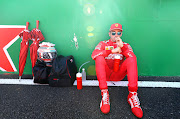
(67, 69)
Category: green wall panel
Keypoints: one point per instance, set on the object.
(151, 27)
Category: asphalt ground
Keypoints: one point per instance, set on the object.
(44, 102)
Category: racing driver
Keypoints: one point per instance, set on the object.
(104, 55)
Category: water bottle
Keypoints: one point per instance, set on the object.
(83, 74)
(79, 81)
(116, 63)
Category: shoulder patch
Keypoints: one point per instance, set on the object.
(106, 41)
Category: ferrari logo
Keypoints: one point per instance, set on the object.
(116, 25)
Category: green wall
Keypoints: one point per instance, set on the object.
(151, 27)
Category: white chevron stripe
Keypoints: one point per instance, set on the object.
(9, 44)
(7, 54)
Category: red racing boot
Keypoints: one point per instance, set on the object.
(134, 102)
(105, 104)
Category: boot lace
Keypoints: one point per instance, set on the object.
(105, 98)
(135, 99)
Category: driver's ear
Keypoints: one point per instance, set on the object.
(109, 33)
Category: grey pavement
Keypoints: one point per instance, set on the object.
(44, 102)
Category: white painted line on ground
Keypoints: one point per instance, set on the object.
(21, 82)
(154, 84)
(140, 83)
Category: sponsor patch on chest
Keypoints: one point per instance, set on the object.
(109, 47)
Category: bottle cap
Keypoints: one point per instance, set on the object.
(79, 74)
(117, 56)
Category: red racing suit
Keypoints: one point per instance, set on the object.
(104, 62)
